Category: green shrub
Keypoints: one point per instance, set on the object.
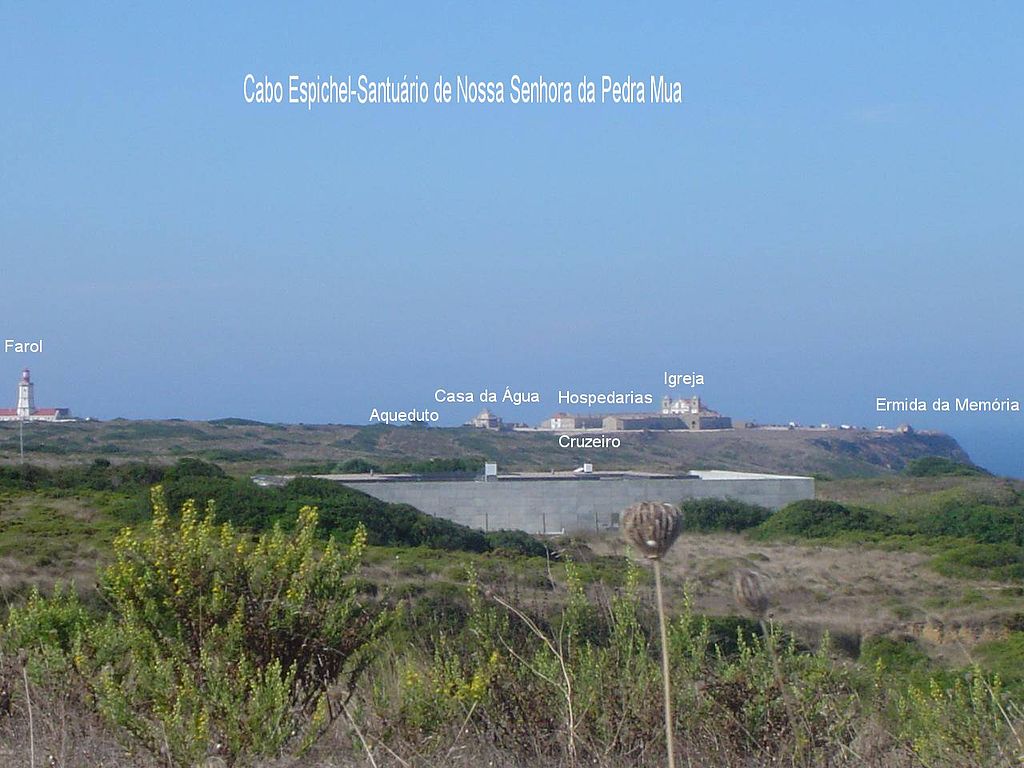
(963, 720)
(99, 475)
(903, 655)
(583, 686)
(237, 501)
(24, 477)
(190, 467)
(937, 466)
(517, 542)
(241, 454)
(357, 467)
(233, 421)
(1000, 561)
(342, 510)
(1005, 657)
(40, 622)
(726, 632)
(215, 637)
(964, 518)
(305, 468)
(979, 527)
(814, 519)
(721, 515)
(438, 466)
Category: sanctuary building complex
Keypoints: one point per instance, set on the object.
(681, 413)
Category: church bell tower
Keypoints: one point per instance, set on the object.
(26, 400)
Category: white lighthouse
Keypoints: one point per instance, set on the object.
(26, 409)
(26, 400)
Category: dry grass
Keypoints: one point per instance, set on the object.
(850, 591)
(63, 733)
(853, 592)
(893, 492)
(44, 539)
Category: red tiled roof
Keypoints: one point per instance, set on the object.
(36, 412)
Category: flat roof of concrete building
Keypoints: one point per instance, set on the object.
(722, 474)
(700, 474)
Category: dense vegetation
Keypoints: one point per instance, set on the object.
(261, 631)
(214, 648)
(473, 465)
(815, 519)
(211, 637)
(241, 502)
(721, 515)
(433, 466)
(99, 475)
(973, 532)
(940, 466)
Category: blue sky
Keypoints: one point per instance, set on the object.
(833, 214)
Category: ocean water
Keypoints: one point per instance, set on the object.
(999, 449)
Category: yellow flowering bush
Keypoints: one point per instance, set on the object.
(216, 641)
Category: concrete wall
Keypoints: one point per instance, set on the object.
(551, 506)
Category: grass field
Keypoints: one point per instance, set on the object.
(853, 589)
(904, 632)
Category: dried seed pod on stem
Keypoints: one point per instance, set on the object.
(751, 592)
(652, 527)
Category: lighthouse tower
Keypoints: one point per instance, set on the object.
(26, 400)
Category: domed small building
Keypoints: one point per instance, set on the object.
(486, 420)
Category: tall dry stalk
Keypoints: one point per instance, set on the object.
(23, 660)
(751, 592)
(652, 527)
(666, 685)
(565, 687)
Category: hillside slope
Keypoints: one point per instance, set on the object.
(245, 446)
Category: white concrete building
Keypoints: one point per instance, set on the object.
(560, 502)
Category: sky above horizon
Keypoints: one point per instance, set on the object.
(832, 215)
